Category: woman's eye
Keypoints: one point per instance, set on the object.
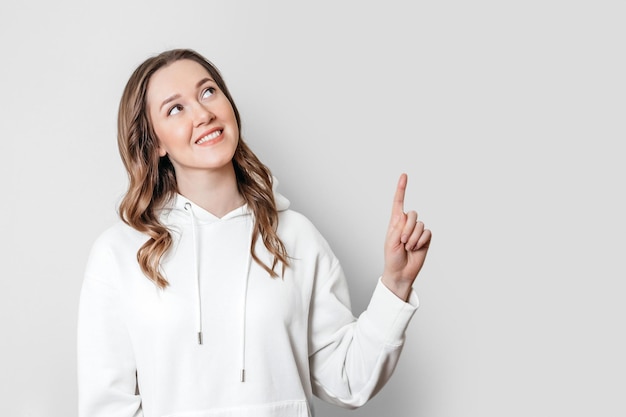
(177, 108)
(208, 92)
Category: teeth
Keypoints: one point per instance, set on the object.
(209, 137)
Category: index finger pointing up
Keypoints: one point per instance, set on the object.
(398, 199)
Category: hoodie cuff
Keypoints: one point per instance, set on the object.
(390, 314)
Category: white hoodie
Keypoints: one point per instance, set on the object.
(138, 346)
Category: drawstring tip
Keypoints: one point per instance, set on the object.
(243, 375)
(199, 338)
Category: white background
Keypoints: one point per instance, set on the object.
(506, 115)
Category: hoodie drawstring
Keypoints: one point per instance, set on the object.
(194, 235)
(197, 270)
(242, 376)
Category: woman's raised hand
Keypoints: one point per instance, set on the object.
(406, 245)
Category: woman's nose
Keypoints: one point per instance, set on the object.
(202, 115)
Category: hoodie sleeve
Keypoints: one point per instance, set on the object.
(351, 359)
(107, 383)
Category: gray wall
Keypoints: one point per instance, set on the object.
(507, 116)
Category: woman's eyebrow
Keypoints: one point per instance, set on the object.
(202, 81)
(169, 99)
(176, 96)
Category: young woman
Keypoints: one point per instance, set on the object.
(211, 298)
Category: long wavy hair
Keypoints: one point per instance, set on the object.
(152, 180)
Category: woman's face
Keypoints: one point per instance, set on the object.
(193, 120)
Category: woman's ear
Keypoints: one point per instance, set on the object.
(162, 151)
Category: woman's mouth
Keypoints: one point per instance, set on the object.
(213, 135)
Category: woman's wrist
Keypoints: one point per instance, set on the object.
(402, 289)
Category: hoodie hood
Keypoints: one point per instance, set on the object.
(176, 211)
(282, 203)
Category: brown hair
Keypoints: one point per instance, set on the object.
(152, 180)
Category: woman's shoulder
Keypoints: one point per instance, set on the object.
(113, 250)
(294, 226)
(293, 221)
(119, 235)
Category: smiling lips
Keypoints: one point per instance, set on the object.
(210, 137)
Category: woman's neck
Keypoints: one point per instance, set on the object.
(214, 191)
